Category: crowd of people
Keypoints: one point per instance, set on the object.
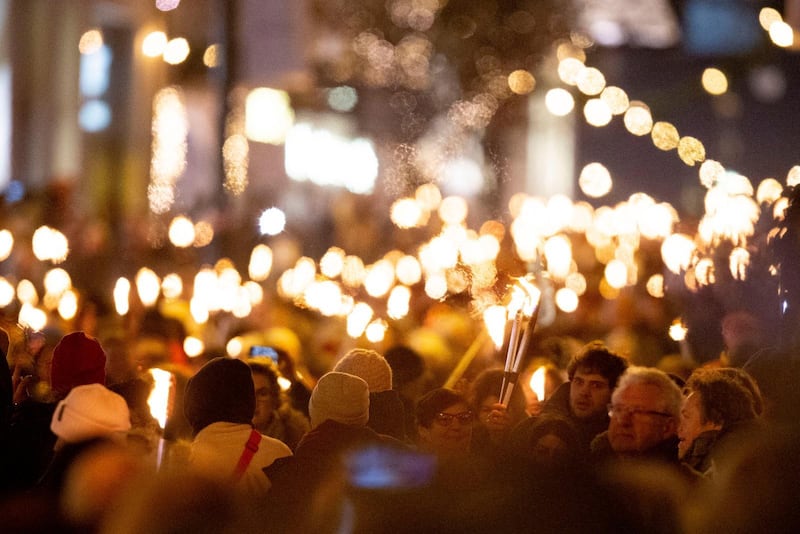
(373, 445)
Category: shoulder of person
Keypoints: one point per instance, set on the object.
(275, 446)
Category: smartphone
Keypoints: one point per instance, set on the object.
(261, 351)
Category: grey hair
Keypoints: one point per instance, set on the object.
(671, 396)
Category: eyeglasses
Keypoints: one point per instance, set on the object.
(446, 419)
(621, 411)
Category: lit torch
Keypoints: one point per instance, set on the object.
(159, 403)
(537, 382)
(678, 331)
(524, 308)
(494, 319)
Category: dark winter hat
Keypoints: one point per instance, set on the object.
(77, 360)
(221, 391)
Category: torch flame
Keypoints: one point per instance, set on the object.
(677, 330)
(537, 382)
(158, 401)
(525, 297)
(494, 317)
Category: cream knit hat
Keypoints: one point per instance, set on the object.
(369, 365)
(341, 397)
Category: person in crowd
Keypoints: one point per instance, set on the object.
(219, 404)
(314, 478)
(593, 374)
(716, 410)
(550, 441)
(776, 370)
(33, 360)
(445, 424)
(409, 379)
(755, 489)
(339, 410)
(644, 411)
(78, 359)
(743, 378)
(274, 415)
(743, 335)
(299, 391)
(89, 414)
(385, 406)
(494, 420)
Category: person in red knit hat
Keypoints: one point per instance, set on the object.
(78, 360)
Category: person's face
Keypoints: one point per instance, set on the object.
(639, 420)
(589, 394)
(264, 401)
(448, 434)
(692, 424)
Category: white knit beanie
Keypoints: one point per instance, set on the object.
(90, 411)
(369, 365)
(341, 397)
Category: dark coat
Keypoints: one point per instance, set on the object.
(387, 414)
(31, 443)
(712, 447)
(319, 463)
(587, 428)
(666, 451)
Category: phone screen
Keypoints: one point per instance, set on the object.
(260, 351)
(389, 468)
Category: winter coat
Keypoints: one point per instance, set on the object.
(588, 428)
(216, 449)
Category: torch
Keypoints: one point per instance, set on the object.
(494, 318)
(524, 308)
(159, 401)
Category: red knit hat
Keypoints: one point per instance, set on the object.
(77, 360)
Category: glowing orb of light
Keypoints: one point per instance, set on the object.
(595, 180)
(272, 221)
(559, 102)
(181, 232)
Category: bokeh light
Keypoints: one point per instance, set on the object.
(272, 221)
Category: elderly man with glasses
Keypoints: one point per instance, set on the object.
(644, 415)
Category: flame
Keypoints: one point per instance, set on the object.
(494, 317)
(158, 401)
(677, 330)
(537, 382)
(525, 297)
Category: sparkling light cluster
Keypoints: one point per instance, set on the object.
(170, 130)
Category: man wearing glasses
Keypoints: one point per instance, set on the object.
(644, 414)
